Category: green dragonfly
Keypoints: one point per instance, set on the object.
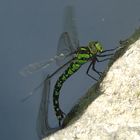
(71, 57)
(82, 55)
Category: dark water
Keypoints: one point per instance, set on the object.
(29, 32)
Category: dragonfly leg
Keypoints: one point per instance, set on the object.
(103, 59)
(88, 72)
(109, 50)
(93, 68)
(104, 55)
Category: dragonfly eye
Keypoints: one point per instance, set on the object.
(95, 47)
(98, 46)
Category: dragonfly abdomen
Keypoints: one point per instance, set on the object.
(68, 72)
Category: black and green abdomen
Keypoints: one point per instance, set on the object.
(68, 72)
(81, 58)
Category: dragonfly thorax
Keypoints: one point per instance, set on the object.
(95, 47)
(83, 55)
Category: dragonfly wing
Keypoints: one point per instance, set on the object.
(68, 41)
(64, 48)
(70, 26)
(67, 44)
(31, 68)
(43, 127)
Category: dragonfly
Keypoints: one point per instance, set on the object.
(71, 57)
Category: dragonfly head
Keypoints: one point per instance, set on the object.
(95, 47)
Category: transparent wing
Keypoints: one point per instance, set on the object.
(69, 25)
(67, 44)
(43, 127)
(65, 47)
(68, 41)
(31, 68)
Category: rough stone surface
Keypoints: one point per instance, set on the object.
(115, 114)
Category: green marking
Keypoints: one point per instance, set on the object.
(57, 109)
(80, 56)
(70, 71)
(56, 93)
(83, 48)
(63, 77)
